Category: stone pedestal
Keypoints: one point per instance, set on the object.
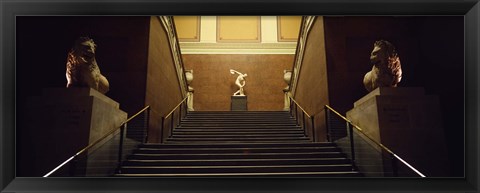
(286, 100)
(239, 103)
(63, 121)
(406, 121)
(287, 76)
(190, 101)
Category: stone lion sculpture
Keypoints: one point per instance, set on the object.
(82, 68)
(386, 70)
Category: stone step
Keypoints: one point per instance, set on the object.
(236, 117)
(253, 174)
(235, 136)
(237, 162)
(242, 121)
(238, 141)
(208, 156)
(235, 169)
(234, 150)
(239, 127)
(238, 124)
(223, 125)
(233, 132)
(238, 145)
(237, 112)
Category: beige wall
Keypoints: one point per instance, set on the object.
(312, 86)
(257, 34)
(214, 85)
(163, 91)
(288, 28)
(244, 28)
(238, 29)
(188, 28)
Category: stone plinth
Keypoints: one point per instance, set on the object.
(62, 121)
(406, 121)
(239, 103)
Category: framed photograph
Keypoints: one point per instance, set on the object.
(37, 37)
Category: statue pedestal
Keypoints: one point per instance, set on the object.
(406, 121)
(62, 121)
(239, 103)
(286, 100)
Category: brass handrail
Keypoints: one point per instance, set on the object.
(171, 119)
(377, 143)
(96, 142)
(291, 98)
(136, 114)
(359, 129)
(303, 122)
(175, 108)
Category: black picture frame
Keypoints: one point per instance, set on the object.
(9, 9)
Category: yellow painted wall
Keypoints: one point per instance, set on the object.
(238, 29)
(288, 28)
(260, 29)
(188, 28)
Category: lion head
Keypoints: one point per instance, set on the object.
(84, 48)
(386, 70)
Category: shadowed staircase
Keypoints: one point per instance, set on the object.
(238, 143)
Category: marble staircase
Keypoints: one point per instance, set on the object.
(237, 144)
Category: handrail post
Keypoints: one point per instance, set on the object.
(327, 124)
(352, 145)
(290, 110)
(161, 129)
(147, 122)
(296, 114)
(180, 114)
(185, 106)
(73, 166)
(120, 147)
(313, 128)
(293, 109)
(172, 118)
(182, 106)
(304, 127)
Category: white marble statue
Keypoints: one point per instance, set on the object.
(189, 76)
(240, 82)
(386, 70)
